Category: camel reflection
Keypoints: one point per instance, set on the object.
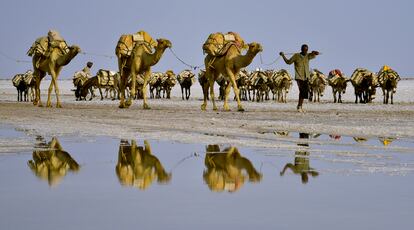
(50, 162)
(386, 140)
(227, 170)
(301, 164)
(360, 139)
(137, 166)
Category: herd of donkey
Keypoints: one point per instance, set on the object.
(224, 62)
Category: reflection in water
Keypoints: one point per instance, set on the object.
(386, 140)
(335, 137)
(227, 170)
(360, 139)
(50, 162)
(282, 133)
(301, 165)
(137, 166)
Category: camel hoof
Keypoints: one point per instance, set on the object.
(146, 106)
(240, 109)
(215, 108)
(203, 107)
(58, 105)
(128, 102)
(122, 105)
(40, 105)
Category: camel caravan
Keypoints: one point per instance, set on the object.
(227, 57)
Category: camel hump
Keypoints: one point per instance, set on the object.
(183, 75)
(387, 73)
(280, 75)
(17, 79)
(358, 75)
(124, 45)
(144, 37)
(316, 74)
(57, 41)
(106, 77)
(127, 42)
(218, 43)
(335, 76)
(39, 46)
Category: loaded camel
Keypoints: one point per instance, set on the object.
(365, 83)
(338, 82)
(52, 64)
(228, 63)
(139, 61)
(317, 85)
(186, 80)
(388, 80)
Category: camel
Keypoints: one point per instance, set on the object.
(168, 82)
(79, 80)
(228, 64)
(21, 86)
(186, 80)
(50, 162)
(259, 84)
(51, 64)
(365, 83)
(139, 62)
(94, 82)
(155, 84)
(388, 80)
(317, 85)
(138, 167)
(281, 81)
(228, 169)
(223, 83)
(338, 82)
(242, 82)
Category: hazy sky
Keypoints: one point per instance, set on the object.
(350, 34)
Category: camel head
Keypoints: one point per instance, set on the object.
(255, 47)
(75, 49)
(164, 43)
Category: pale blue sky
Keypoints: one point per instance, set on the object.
(350, 34)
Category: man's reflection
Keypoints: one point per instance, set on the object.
(50, 162)
(137, 166)
(301, 166)
(227, 170)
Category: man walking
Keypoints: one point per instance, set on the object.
(302, 73)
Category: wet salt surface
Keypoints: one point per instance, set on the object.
(350, 184)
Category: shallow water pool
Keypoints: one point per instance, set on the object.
(314, 181)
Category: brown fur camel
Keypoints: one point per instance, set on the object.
(52, 64)
(228, 65)
(139, 62)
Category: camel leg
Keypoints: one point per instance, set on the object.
(225, 99)
(387, 97)
(37, 77)
(236, 90)
(182, 92)
(57, 92)
(49, 92)
(392, 97)
(147, 75)
(100, 91)
(122, 83)
(189, 93)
